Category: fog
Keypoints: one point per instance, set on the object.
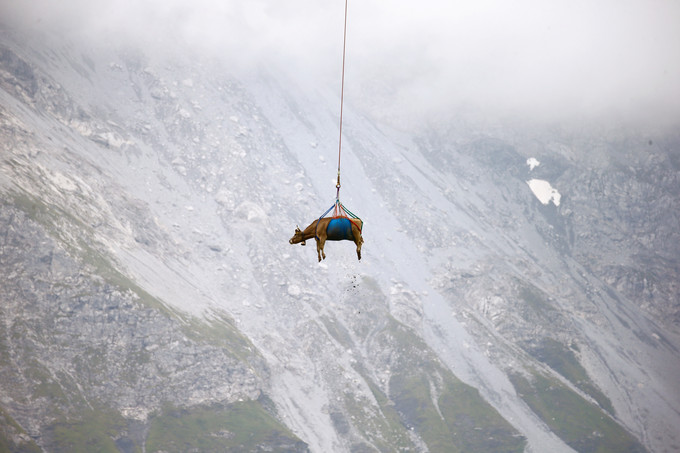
(614, 60)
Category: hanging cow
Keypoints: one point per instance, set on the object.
(331, 229)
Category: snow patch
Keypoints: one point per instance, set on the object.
(544, 191)
(532, 162)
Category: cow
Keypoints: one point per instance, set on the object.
(331, 229)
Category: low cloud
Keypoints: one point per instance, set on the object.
(540, 60)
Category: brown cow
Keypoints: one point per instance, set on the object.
(322, 233)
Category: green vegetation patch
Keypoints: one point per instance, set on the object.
(457, 419)
(43, 385)
(413, 400)
(383, 428)
(450, 415)
(239, 427)
(536, 300)
(95, 431)
(563, 360)
(579, 423)
(475, 423)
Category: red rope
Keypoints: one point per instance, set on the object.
(342, 99)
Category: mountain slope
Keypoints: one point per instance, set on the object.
(150, 295)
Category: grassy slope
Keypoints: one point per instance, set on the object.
(244, 426)
(581, 424)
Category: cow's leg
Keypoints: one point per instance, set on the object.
(319, 248)
(358, 240)
(320, 242)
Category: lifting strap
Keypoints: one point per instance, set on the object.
(342, 99)
(339, 210)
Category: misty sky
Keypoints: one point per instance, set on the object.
(612, 58)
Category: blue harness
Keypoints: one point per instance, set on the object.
(339, 229)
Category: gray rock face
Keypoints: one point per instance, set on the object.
(626, 226)
(151, 301)
(73, 341)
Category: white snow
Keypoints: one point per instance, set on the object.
(544, 191)
(532, 162)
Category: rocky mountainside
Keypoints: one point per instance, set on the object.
(518, 289)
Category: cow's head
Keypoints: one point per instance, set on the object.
(297, 237)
